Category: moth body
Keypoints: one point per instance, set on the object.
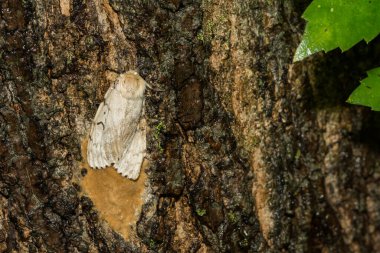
(118, 131)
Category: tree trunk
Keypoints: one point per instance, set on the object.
(247, 152)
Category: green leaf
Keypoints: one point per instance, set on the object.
(368, 93)
(338, 23)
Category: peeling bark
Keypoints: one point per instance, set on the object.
(248, 152)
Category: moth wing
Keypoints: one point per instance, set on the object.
(114, 126)
(95, 149)
(133, 157)
(121, 124)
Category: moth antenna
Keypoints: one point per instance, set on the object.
(152, 88)
(148, 85)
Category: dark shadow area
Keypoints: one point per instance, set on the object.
(369, 133)
(340, 73)
(301, 5)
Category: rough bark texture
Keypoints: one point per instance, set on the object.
(248, 152)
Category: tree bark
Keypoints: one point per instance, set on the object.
(247, 151)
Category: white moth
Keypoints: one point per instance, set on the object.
(118, 131)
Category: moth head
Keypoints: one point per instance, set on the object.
(131, 83)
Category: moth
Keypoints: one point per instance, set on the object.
(118, 131)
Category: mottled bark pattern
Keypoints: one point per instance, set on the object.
(248, 152)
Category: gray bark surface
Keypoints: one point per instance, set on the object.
(257, 154)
